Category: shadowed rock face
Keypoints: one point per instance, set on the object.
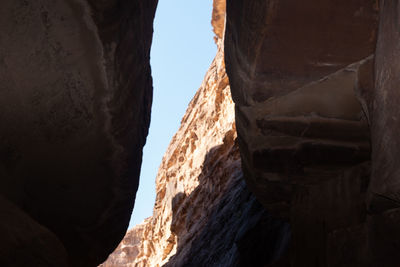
(316, 100)
(276, 47)
(24, 242)
(293, 68)
(382, 98)
(307, 111)
(75, 97)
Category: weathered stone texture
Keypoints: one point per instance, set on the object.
(293, 68)
(204, 214)
(186, 190)
(308, 112)
(218, 18)
(383, 104)
(127, 251)
(75, 97)
(314, 85)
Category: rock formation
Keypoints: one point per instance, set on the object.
(293, 68)
(127, 251)
(204, 214)
(308, 111)
(381, 97)
(315, 91)
(75, 97)
(315, 105)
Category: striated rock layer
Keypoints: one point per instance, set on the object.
(204, 214)
(75, 97)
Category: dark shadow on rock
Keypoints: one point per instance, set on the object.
(221, 223)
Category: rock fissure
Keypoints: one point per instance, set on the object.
(287, 154)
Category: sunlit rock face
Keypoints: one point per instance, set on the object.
(127, 251)
(204, 214)
(75, 97)
(308, 111)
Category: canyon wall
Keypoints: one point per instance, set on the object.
(308, 113)
(382, 98)
(127, 251)
(293, 68)
(75, 97)
(311, 132)
(204, 214)
(315, 90)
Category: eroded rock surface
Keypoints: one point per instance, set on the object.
(382, 98)
(24, 242)
(204, 214)
(293, 68)
(307, 111)
(75, 97)
(127, 251)
(314, 85)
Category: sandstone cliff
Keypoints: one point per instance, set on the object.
(75, 97)
(127, 251)
(184, 185)
(315, 90)
(204, 215)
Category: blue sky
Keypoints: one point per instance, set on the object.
(182, 50)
